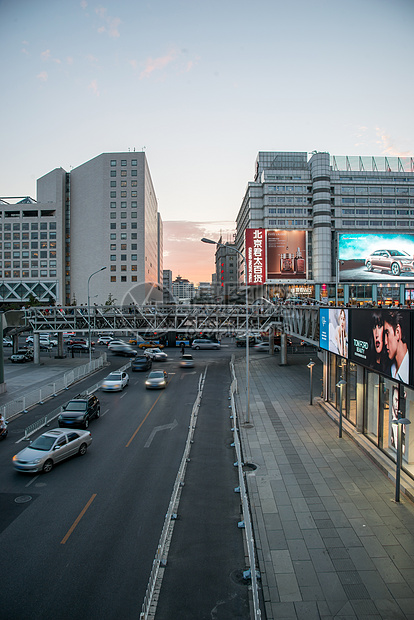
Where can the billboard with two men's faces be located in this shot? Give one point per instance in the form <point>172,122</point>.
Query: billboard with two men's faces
<point>380,338</point>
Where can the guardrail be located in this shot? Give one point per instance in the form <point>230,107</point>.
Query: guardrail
<point>32,428</point>
<point>160,557</point>
<point>23,403</point>
<point>247,523</point>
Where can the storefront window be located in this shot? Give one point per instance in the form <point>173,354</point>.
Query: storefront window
<point>352,391</point>
<point>371,406</point>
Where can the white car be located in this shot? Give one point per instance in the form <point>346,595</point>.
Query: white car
<point>105,340</point>
<point>156,354</point>
<point>50,448</point>
<point>115,342</point>
<point>115,381</point>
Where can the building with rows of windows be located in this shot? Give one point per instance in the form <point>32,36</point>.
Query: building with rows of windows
<point>103,213</point>
<point>346,207</point>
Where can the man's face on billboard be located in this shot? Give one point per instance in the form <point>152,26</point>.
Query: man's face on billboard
<point>391,339</point>
<point>378,333</point>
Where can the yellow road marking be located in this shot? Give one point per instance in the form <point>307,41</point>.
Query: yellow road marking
<point>79,517</point>
<point>127,446</point>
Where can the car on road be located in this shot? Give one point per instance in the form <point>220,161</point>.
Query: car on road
<point>104,340</point>
<point>156,354</point>
<point>78,346</point>
<point>141,362</point>
<point>115,381</point>
<point>204,343</point>
<point>262,346</point>
<point>157,379</point>
<point>123,349</point>
<point>187,361</point>
<point>80,411</point>
<point>7,342</point>
<point>393,261</point>
<point>114,342</point>
<point>50,448</point>
<point>22,356</point>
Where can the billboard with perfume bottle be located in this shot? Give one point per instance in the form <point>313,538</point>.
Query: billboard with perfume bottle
<point>286,255</point>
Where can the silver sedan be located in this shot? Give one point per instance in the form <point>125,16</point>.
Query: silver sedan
<point>157,379</point>
<point>50,448</point>
<point>115,381</point>
<point>156,354</point>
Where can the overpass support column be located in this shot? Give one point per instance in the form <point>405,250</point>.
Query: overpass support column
<point>283,349</point>
<point>36,348</point>
<point>60,354</point>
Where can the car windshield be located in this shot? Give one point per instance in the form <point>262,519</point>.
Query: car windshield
<point>156,374</point>
<point>113,377</point>
<point>44,442</point>
<point>76,405</point>
<point>398,253</point>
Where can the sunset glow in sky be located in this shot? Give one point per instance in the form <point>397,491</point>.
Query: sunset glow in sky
<point>201,87</point>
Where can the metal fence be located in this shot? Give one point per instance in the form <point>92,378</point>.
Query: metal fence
<point>24,402</point>
<point>247,523</point>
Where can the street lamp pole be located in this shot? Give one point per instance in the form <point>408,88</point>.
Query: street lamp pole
<point>340,385</point>
<point>310,366</point>
<point>222,245</point>
<point>89,314</point>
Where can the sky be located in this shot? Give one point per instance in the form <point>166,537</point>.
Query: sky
<point>201,87</point>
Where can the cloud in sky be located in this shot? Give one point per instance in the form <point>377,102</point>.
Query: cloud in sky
<point>93,86</point>
<point>110,25</point>
<point>156,64</point>
<point>388,147</point>
<point>42,76</point>
<point>186,255</point>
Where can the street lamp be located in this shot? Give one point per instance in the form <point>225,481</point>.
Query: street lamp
<point>310,366</point>
<point>222,245</point>
<point>89,314</point>
<point>399,423</point>
<point>340,385</point>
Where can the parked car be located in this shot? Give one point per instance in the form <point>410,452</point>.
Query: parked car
<point>123,349</point>
<point>80,411</point>
<point>141,362</point>
<point>156,354</point>
<point>157,379</point>
<point>115,381</point>
<point>187,361</point>
<point>204,343</point>
<point>394,261</point>
<point>51,448</point>
<point>21,356</point>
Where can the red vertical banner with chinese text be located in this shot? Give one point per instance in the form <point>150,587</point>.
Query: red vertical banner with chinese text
<point>255,255</point>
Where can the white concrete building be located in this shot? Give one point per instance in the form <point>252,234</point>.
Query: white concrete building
<point>370,199</point>
<point>103,213</point>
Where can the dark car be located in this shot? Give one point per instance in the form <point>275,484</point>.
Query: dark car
<point>141,362</point>
<point>122,349</point>
<point>22,355</point>
<point>77,346</point>
<point>80,411</point>
<point>394,261</point>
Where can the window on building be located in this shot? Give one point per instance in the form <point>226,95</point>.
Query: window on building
<point>133,173</point>
<point>113,247</point>
<point>112,226</point>
<point>133,278</point>
<point>134,215</point>
<point>134,194</point>
<point>113,183</point>
<point>112,215</point>
<point>113,194</point>
<point>113,278</point>
<point>113,205</point>
<point>113,257</point>
<point>123,173</point>
<point>112,236</point>
<point>113,162</point>
<point>123,162</point>
<point>123,194</point>
<point>134,257</point>
<point>123,267</point>
<point>133,268</point>
<point>123,256</point>
<point>133,162</point>
<point>133,183</point>
<point>123,184</point>
<point>113,267</point>
<point>113,173</point>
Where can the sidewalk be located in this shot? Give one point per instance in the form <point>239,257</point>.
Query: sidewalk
<point>331,541</point>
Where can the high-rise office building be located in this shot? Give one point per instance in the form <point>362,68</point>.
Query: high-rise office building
<point>103,213</point>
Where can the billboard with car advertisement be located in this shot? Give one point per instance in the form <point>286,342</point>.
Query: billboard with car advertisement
<point>334,330</point>
<point>375,257</point>
<point>381,340</point>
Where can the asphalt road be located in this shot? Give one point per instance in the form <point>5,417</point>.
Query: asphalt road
<point>79,542</point>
